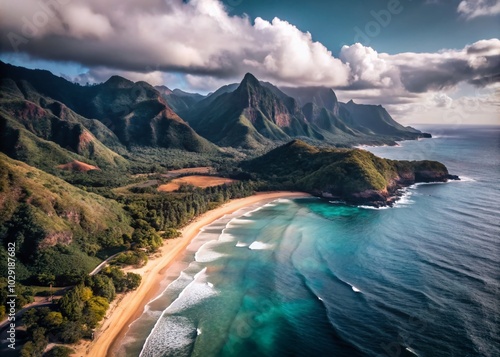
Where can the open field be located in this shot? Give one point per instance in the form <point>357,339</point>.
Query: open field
<point>198,181</point>
<point>202,170</point>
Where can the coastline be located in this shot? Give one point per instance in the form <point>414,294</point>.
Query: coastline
<point>130,306</point>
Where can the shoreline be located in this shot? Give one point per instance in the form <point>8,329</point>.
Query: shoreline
<point>127,308</point>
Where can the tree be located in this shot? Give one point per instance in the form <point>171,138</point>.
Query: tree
<point>118,277</point>
<point>95,310</point>
<point>133,281</point>
<point>24,231</point>
<point>101,285</point>
<point>59,351</point>
<point>36,346</point>
<point>28,350</point>
<point>86,293</point>
<point>71,304</point>
<point>40,340</point>
<point>71,332</point>
<point>53,319</point>
<point>171,233</point>
<point>30,318</point>
<point>46,279</point>
<point>35,317</point>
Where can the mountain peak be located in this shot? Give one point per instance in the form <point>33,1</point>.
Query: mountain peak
<point>117,81</point>
<point>248,89</point>
<point>321,97</point>
<point>164,89</point>
<point>250,80</point>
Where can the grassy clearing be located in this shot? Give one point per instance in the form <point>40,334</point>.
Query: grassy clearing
<point>196,180</point>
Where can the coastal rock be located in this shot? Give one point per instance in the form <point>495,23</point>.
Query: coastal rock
<point>431,176</point>
<point>351,175</point>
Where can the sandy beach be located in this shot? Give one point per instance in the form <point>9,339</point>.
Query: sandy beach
<point>129,307</point>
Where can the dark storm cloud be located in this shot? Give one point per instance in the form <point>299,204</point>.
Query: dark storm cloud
<point>448,73</point>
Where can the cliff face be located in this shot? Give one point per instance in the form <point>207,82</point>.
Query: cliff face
<point>352,175</point>
<point>122,112</point>
<point>375,120</point>
<point>251,116</point>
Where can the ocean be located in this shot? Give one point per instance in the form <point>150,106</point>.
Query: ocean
<point>308,277</point>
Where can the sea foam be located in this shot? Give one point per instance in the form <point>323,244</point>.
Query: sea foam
<point>207,254</point>
<point>173,332</point>
<point>260,246</point>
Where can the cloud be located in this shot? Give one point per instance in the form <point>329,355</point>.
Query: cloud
<point>102,74</point>
<point>416,87</point>
<point>196,37</point>
<point>206,84</point>
<point>368,69</point>
<point>477,64</point>
<point>441,100</point>
<point>476,8</point>
<point>197,43</point>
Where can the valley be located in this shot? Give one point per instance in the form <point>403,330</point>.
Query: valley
<point>119,168</point>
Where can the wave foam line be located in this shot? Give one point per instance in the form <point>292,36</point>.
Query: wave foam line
<point>260,246</point>
<point>374,208</point>
<point>412,351</point>
<point>181,295</point>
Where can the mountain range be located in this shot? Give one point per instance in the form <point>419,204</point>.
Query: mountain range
<point>47,121</point>
<point>79,165</point>
<point>255,113</point>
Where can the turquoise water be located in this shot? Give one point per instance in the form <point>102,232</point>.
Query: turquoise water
<point>308,277</point>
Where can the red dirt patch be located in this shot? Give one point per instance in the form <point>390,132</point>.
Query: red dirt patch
<point>30,110</point>
<point>84,139</point>
<point>76,165</point>
<point>198,181</point>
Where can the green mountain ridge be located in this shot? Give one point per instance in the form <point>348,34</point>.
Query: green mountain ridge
<point>361,117</point>
<point>280,114</point>
<point>46,133</point>
<point>179,100</point>
<point>354,175</point>
<point>54,223</point>
<point>250,116</point>
<point>82,170</point>
<point>135,113</point>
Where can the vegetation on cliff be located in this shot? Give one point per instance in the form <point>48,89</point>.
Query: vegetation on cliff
<point>91,159</point>
<point>353,175</point>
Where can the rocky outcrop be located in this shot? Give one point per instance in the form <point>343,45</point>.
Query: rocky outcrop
<point>351,175</point>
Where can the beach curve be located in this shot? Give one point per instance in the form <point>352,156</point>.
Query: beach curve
<point>130,306</point>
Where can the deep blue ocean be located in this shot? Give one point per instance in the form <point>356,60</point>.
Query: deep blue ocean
<point>308,277</point>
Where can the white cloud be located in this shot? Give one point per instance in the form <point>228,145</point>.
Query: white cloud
<point>368,68</point>
<point>416,87</point>
<point>206,47</point>
<point>478,63</point>
<point>197,37</point>
<point>102,74</point>
<point>83,23</point>
<point>475,8</point>
<point>206,84</point>
<point>442,100</point>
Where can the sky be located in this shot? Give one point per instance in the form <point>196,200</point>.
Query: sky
<point>426,61</point>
